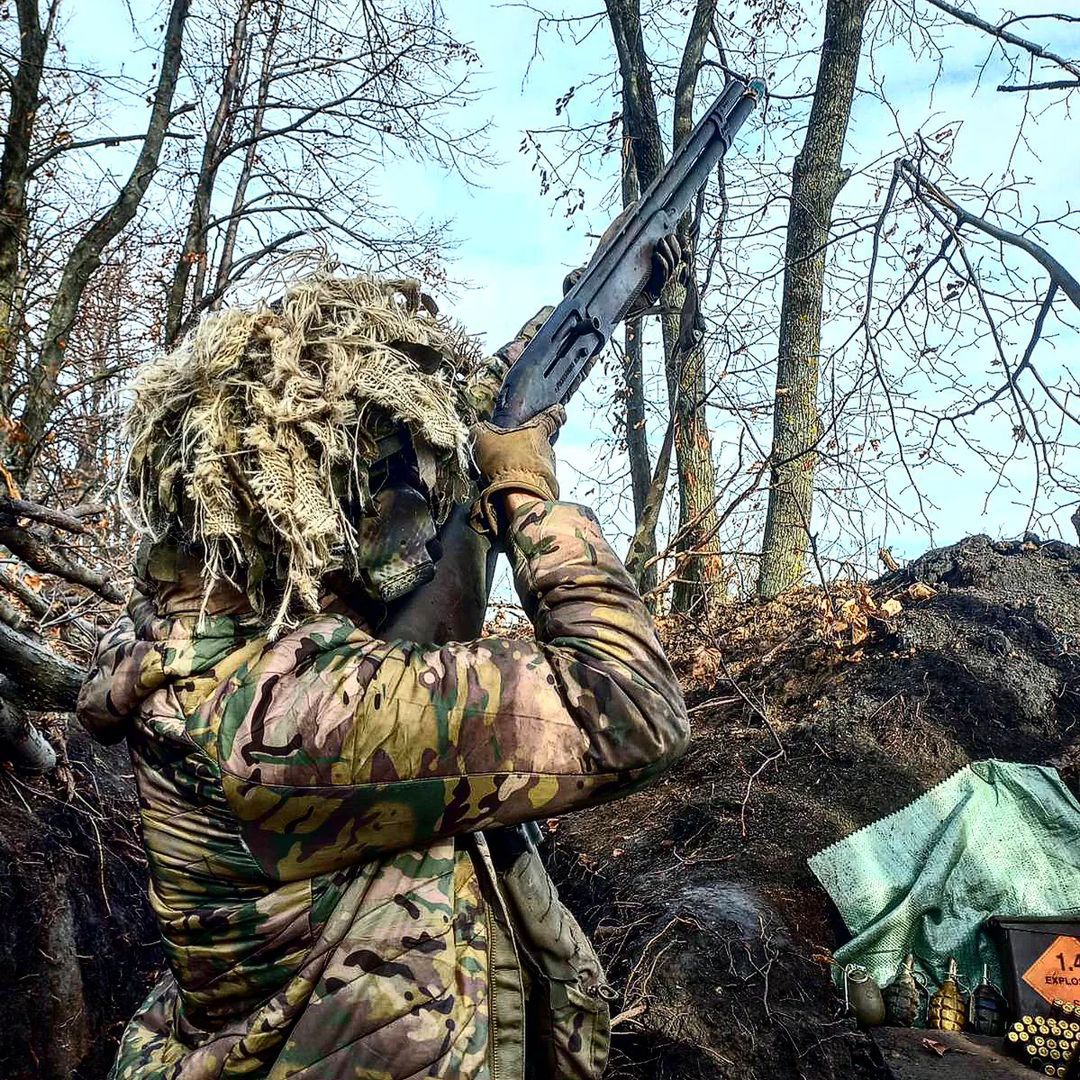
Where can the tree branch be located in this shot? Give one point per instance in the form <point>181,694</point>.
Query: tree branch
<point>971,19</point>
<point>35,676</point>
<point>1057,84</point>
<point>35,553</point>
<point>17,508</point>
<point>106,140</point>
<point>643,542</point>
<point>14,171</point>
<point>927,190</point>
<point>85,257</point>
<point>73,629</point>
<point>21,743</point>
<point>689,68</point>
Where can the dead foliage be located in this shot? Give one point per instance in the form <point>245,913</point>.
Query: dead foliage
<point>813,715</point>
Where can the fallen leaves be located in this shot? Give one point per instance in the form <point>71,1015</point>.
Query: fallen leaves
<point>921,591</point>
<point>849,622</point>
<point>935,1047</point>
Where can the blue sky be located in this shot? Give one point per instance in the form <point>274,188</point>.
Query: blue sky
<point>513,246</point>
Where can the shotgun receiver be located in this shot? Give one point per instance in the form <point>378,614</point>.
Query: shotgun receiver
<point>451,605</point>
<point>558,358</point>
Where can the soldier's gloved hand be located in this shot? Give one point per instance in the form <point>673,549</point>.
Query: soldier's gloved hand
<point>510,352</point>
<point>517,459</point>
<point>482,390</point>
<point>667,255</point>
<point>666,259</point>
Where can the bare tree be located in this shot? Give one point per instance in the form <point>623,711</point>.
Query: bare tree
<point>816,180</point>
<point>288,109</point>
<point>883,390</point>
<point>307,102</point>
<point>699,581</point>
<point>85,254</point>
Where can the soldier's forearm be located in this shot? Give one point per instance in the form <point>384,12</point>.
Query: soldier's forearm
<point>515,500</point>
<point>597,634</point>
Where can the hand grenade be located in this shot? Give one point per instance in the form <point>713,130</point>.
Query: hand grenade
<point>863,996</point>
<point>987,1008</point>
<point>902,996</point>
<point>946,1009</point>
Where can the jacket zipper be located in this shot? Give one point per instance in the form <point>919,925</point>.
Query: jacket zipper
<point>492,1011</point>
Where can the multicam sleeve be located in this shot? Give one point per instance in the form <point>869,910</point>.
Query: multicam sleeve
<point>124,671</point>
<point>343,745</point>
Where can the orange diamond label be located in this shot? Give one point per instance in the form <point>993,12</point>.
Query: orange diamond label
<point>1056,974</point>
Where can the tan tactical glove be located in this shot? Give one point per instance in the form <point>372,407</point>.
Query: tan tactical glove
<point>517,459</point>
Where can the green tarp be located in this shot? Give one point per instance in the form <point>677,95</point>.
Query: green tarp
<point>996,838</point>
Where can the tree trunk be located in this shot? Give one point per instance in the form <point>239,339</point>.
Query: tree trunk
<point>36,677</point>
<point>21,743</point>
<point>85,257</point>
<point>644,538</point>
<point>699,580</point>
<point>14,175</point>
<point>639,104</point>
<point>637,435</point>
<point>815,182</point>
<point>232,229</point>
<point>193,256</point>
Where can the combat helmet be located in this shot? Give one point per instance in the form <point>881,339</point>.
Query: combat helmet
<point>325,433</point>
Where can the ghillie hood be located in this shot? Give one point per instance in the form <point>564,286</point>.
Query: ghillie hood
<point>251,442</point>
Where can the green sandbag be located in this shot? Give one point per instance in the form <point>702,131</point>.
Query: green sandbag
<point>996,838</point>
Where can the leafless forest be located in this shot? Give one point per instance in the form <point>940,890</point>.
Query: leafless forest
<point>261,135</point>
<point>865,311</point>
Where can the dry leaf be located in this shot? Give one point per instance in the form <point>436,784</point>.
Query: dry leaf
<point>921,591</point>
<point>938,1048</point>
<point>891,607</point>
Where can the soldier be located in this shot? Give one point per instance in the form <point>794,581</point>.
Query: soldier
<point>312,796</point>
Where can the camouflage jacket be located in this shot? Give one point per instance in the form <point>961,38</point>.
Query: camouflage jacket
<point>307,803</point>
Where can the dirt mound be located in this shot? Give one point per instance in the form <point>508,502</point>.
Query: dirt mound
<point>813,715</point>
<point>78,942</point>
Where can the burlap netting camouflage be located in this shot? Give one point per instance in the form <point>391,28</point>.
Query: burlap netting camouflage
<point>245,437</point>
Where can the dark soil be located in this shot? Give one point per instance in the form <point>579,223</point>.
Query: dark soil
<point>78,942</point>
<point>696,890</point>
